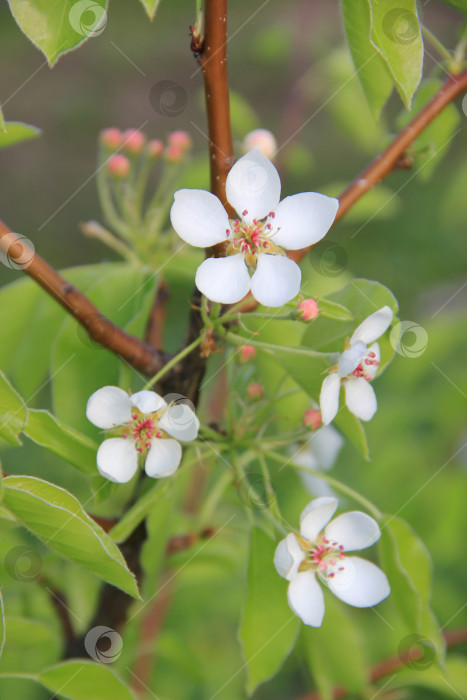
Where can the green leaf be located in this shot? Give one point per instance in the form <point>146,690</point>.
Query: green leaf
<point>84,680</point>
<point>460,5</point>
<point>58,26</point>
<point>151,7</point>
<point>353,430</point>
<point>16,132</point>
<point>30,639</point>
<point>77,449</point>
<point>397,36</point>
<point>13,412</point>
<point>451,683</point>
<point>269,628</point>
<point>334,664</point>
<point>2,625</point>
<point>407,565</point>
<point>372,71</point>
<point>329,309</point>
<point>435,139</point>
<point>59,521</point>
<point>80,366</point>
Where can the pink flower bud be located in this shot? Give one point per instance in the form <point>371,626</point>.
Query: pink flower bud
<point>247,352</point>
<point>155,148</point>
<point>262,139</point>
<point>111,138</point>
<point>312,418</point>
<point>118,166</point>
<point>180,139</point>
<point>255,391</point>
<point>308,309</point>
<point>133,141</point>
<point>174,154</point>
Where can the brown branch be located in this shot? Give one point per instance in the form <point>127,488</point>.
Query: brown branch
<point>139,355</point>
<point>212,59</point>
<point>154,334</point>
<point>390,158</point>
<point>385,668</point>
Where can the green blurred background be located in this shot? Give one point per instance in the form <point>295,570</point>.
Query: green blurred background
<point>291,74</point>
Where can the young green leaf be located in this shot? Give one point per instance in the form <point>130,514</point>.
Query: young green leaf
<point>12,133</point>
<point>151,7</point>
<point>269,628</point>
<point>84,680</point>
<point>397,36</point>
<point>332,663</point>
<point>407,564</point>
<point>136,514</point>
<point>13,412</point>
<point>59,521</point>
<point>77,449</point>
<point>371,69</point>
<point>58,27</point>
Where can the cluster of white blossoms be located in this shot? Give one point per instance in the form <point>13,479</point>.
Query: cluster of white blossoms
<point>143,424</point>
<point>319,554</point>
<point>145,427</point>
<point>257,240</point>
<point>356,367</point>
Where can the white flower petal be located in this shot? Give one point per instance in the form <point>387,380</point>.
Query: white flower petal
<point>303,219</point>
<point>316,515</point>
<point>163,458</point>
<point>109,407</point>
<point>180,422</point>
<point>147,401</point>
<point>329,397</point>
<point>276,280</point>
<point>354,530</point>
<point>371,370</point>
<point>225,280</point>
<point>253,184</point>
<point>306,598</point>
<point>360,583</point>
<point>325,444</point>
<point>373,327</point>
<point>288,557</point>
<point>199,218</point>
<point>350,359</point>
<point>117,459</point>
<point>360,398</point>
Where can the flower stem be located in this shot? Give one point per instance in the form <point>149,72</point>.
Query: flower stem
<point>343,488</point>
<point>175,360</point>
<point>272,347</point>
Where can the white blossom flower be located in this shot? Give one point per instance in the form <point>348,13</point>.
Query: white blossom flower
<point>144,424</point>
<point>356,367</point>
<point>322,556</point>
<point>258,238</point>
<point>319,453</point>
